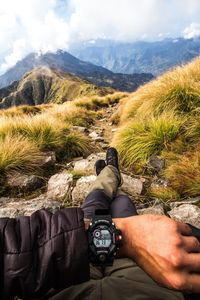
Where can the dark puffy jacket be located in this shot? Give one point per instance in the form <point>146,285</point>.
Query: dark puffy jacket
<point>42,251</point>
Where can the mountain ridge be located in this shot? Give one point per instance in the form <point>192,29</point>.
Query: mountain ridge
<point>45,85</point>
<point>65,62</point>
<point>138,57</point>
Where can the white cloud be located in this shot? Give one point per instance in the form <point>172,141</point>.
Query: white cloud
<point>30,25</point>
<point>131,19</point>
<point>48,25</point>
<point>192,31</point>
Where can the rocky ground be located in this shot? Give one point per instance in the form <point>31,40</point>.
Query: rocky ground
<point>70,182</point>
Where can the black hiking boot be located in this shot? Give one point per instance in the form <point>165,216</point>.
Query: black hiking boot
<point>112,157</point>
<point>99,165</point>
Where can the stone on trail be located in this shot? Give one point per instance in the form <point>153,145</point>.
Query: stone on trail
<point>131,186</point>
<point>15,207</point>
<point>59,185</point>
<point>87,164</point>
<point>155,210</point>
<point>24,183</point>
<point>186,213</point>
<point>82,189</point>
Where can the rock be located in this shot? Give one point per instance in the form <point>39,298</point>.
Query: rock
<point>82,189</point>
<point>87,165</point>
<point>93,135</point>
<point>195,200</point>
<point>19,207</point>
<point>59,185</point>
<point>131,186</point>
<point>97,137</point>
<point>81,165</point>
<point>155,210</point>
<point>186,213</point>
<point>103,120</point>
<point>49,160</point>
<point>80,129</point>
<point>155,164</point>
<point>24,183</point>
<point>104,145</point>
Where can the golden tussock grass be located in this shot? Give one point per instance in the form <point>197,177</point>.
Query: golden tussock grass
<point>184,174</point>
<point>178,90</point>
<point>18,153</point>
<point>141,138</point>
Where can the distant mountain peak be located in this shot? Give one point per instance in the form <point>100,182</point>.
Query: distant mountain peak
<point>67,63</point>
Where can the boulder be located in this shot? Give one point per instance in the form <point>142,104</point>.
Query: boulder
<point>87,165</point>
<point>14,207</point>
<point>155,210</point>
<point>80,129</point>
<point>186,213</point>
<point>195,200</point>
<point>132,186</point>
<point>24,183</point>
<point>48,160</point>
<point>59,185</point>
<point>82,189</point>
<point>155,164</point>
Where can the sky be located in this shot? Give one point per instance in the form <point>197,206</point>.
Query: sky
<point>48,25</point>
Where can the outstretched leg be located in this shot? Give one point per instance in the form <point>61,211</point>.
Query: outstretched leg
<point>122,206</point>
<point>102,191</point>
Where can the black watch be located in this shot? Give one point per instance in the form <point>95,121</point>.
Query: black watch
<point>104,239</point>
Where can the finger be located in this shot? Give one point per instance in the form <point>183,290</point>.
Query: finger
<point>193,283</point>
<point>191,244</point>
<point>192,262</point>
<point>184,228</point>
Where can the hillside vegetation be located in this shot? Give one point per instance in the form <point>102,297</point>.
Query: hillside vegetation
<point>45,85</point>
<point>163,118</point>
<point>28,132</point>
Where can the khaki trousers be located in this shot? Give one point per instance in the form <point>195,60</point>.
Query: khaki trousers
<point>123,281</point>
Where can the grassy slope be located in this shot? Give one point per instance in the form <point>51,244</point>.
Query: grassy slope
<point>163,118</point>
<point>44,85</point>
<point>27,132</point>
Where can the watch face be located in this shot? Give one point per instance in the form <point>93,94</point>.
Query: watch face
<point>102,238</point>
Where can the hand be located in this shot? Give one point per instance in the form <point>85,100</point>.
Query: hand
<point>164,249</point>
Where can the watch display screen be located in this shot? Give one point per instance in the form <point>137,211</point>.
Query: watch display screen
<point>102,238</point>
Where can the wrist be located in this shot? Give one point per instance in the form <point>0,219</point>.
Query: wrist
<point>122,225</point>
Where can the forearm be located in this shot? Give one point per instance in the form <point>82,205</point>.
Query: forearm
<point>42,252</point>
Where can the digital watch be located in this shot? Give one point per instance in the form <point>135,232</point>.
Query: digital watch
<point>104,239</point>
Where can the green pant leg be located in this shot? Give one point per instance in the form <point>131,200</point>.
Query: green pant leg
<point>108,180</point>
<point>126,281</point>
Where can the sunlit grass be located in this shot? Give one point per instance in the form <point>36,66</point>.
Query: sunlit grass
<point>164,193</point>
<point>138,140</point>
<point>18,153</point>
<point>184,174</point>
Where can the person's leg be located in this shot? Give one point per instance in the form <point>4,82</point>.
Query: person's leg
<point>102,191</point>
<point>122,206</point>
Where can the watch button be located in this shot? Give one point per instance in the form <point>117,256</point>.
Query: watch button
<point>102,257</point>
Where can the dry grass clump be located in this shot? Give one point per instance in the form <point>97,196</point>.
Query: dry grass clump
<point>76,144</point>
<point>45,131</point>
<point>164,193</point>
<point>96,102</point>
<point>184,174</point>
<point>18,153</point>
<point>72,114</point>
<point>178,89</point>
<point>139,139</point>
<point>20,111</point>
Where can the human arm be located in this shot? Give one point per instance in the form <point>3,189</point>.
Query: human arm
<point>42,251</point>
<point>163,248</point>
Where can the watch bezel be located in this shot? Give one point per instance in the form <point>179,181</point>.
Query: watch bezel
<point>97,253</point>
